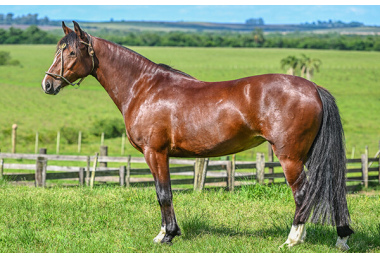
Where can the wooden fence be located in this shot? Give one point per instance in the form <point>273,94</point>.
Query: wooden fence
<point>198,173</point>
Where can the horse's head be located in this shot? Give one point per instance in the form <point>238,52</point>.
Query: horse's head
<point>74,59</point>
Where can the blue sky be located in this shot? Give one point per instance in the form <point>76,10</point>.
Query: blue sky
<point>272,14</point>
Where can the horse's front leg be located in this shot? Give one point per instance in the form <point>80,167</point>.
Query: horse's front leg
<point>159,165</point>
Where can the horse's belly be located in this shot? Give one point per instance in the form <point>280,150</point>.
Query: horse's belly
<point>207,148</point>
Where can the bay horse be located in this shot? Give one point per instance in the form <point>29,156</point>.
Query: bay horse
<point>169,113</point>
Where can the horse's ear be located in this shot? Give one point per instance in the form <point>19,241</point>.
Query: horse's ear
<point>66,29</point>
<point>80,33</point>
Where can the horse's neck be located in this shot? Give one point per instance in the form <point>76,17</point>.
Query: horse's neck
<point>118,70</point>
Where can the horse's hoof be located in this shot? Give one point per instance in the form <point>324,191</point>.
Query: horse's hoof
<point>288,244</point>
<point>341,243</point>
<point>167,240</point>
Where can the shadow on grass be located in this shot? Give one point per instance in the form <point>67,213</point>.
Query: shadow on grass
<point>360,242</point>
<point>195,227</point>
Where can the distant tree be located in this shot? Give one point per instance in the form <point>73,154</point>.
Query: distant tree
<point>9,18</point>
<point>291,64</point>
<point>376,46</point>
<point>308,65</point>
<point>44,21</point>
<point>301,66</point>
<point>14,36</point>
<point>255,21</point>
<point>5,59</point>
<point>3,36</point>
<point>258,36</point>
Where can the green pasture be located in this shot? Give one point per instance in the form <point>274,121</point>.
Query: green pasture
<point>351,76</point>
<point>253,219</point>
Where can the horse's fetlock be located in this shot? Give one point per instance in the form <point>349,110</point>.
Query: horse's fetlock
<point>173,230</point>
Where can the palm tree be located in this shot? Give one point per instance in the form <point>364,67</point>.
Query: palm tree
<point>291,63</point>
<point>308,65</point>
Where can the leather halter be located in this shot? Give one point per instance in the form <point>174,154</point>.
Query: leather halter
<point>60,51</point>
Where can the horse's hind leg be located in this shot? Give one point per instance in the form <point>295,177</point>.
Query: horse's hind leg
<point>293,170</point>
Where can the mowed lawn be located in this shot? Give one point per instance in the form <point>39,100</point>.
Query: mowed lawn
<point>255,219</point>
<point>351,76</point>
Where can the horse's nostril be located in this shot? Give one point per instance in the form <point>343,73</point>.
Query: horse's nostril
<point>47,87</point>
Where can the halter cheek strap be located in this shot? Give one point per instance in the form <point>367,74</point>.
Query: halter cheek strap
<point>60,51</point>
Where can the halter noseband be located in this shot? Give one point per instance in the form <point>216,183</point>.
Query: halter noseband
<point>60,51</point>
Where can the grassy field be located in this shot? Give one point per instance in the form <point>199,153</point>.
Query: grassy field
<point>254,219</point>
<point>112,219</point>
<point>351,76</point>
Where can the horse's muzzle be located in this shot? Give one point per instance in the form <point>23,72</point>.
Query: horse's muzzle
<point>49,88</point>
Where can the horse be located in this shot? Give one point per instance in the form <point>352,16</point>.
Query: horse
<point>168,113</point>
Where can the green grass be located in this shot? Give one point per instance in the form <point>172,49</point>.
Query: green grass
<point>351,76</point>
<point>253,219</point>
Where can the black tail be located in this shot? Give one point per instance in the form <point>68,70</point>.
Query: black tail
<point>324,184</point>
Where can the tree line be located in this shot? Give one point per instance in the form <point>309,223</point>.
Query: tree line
<point>31,35</point>
<point>332,24</point>
<point>256,38</point>
<point>31,19</point>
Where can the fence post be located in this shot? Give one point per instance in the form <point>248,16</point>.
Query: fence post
<point>122,171</point>
<point>102,139</point>
<point>122,144</point>
<point>88,171</point>
<point>260,167</point>
<point>14,137</point>
<point>270,159</point>
<point>58,142</point>
<point>103,152</point>
<point>93,171</point>
<point>200,171</point>
<point>1,168</point>
<point>79,141</point>
<point>365,169</point>
<point>40,175</point>
<point>36,144</point>
<point>231,173</point>
<point>127,184</point>
<point>43,151</point>
<point>81,176</point>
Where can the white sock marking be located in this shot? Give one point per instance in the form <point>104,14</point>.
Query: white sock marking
<point>341,243</point>
<point>296,236</point>
<point>160,235</point>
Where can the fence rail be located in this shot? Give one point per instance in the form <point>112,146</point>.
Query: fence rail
<point>196,172</point>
